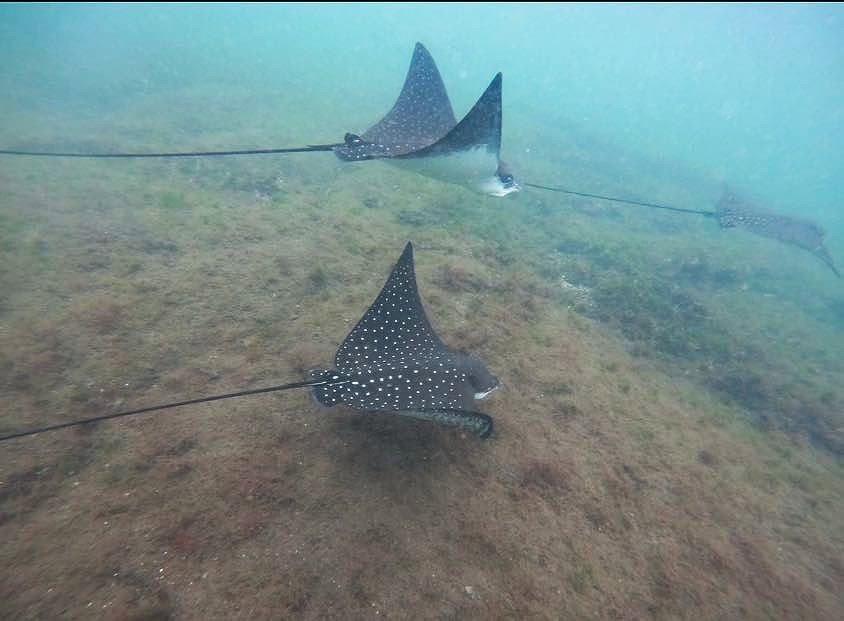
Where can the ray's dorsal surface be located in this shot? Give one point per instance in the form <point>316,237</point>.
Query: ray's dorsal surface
<point>392,361</point>
<point>735,212</point>
<point>422,113</point>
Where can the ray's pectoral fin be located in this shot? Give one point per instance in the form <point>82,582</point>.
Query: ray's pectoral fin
<point>473,422</point>
<point>480,128</point>
<point>327,395</point>
<point>822,253</point>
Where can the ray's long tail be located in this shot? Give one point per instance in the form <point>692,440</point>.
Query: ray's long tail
<point>306,149</point>
<point>166,406</point>
<point>615,199</point>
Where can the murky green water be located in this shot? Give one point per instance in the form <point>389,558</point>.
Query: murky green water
<point>668,435</point>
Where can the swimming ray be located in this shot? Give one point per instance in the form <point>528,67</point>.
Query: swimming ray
<point>733,211</point>
<point>391,361</point>
<point>421,133</point>
<point>420,125</point>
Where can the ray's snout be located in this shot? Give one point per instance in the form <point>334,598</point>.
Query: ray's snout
<point>502,184</point>
<point>483,382</point>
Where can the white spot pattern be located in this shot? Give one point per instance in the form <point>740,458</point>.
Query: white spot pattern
<point>395,347</point>
<point>421,115</point>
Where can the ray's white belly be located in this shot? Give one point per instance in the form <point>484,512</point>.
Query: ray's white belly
<point>474,168</point>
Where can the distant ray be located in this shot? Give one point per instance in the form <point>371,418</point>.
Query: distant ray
<point>734,211</point>
<point>470,151</point>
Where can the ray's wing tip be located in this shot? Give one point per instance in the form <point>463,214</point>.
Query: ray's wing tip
<point>495,83</point>
<point>407,253</point>
<point>493,91</point>
<point>487,428</point>
<point>420,52</point>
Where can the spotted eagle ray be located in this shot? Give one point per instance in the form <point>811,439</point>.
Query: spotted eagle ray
<point>420,132</point>
<point>391,361</point>
<point>735,212</point>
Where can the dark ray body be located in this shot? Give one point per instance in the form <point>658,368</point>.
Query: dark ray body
<point>421,115</point>
<point>394,361</point>
<point>734,211</point>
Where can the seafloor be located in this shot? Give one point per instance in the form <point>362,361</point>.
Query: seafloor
<point>668,444</point>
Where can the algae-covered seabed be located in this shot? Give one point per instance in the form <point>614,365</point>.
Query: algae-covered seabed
<point>668,439</point>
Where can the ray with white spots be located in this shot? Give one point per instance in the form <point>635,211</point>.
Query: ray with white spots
<point>734,211</point>
<point>420,133</point>
<point>391,361</point>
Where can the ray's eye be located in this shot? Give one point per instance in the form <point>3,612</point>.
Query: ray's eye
<point>505,176</point>
<point>482,382</point>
